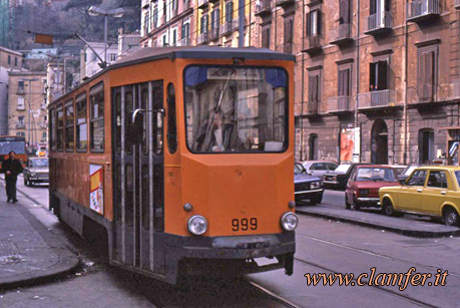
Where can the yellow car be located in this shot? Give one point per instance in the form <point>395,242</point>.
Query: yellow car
<point>432,191</point>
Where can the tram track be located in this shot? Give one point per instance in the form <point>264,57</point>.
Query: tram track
<point>373,254</point>
<point>274,296</point>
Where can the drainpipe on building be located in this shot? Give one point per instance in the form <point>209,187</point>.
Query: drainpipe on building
<point>357,76</point>
<point>406,38</point>
<point>303,83</point>
<point>241,8</point>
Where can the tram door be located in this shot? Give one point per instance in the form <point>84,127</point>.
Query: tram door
<point>138,178</point>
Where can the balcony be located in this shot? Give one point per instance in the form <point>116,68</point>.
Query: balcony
<point>264,8</point>
<point>312,44</point>
<point>378,23</point>
<point>284,3</point>
<point>20,107</point>
<point>202,38</point>
<point>187,5</point>
<point>184,41</point>
<point>202,4</point>
<point>313,108</point>
<point>457,4</point>
<point>162,19</point>
<point>20,125</point>
<point>229,26</point>
<point>214,34</point>
<point>341,34</point>
<point>21,91</point>
<point>340,104</point>
<point>421,10</point>
<point>174,12</point>
<point>377,99</point>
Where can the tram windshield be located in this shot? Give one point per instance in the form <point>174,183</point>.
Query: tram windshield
<point>232,109</point>
<point>19,147</point>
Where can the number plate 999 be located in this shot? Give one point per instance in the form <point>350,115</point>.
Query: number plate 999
<point>244,224</point>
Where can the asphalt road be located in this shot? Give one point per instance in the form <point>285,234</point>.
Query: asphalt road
<point>323,246</point>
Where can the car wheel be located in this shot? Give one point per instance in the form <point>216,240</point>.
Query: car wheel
<point>316,199</point>
<point>347,206</point>
<point>387,208</point>
<point>354,206</point>
<point>451,217</point>
<point>25,182</point>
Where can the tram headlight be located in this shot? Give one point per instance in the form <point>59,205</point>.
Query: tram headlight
<point>197,225</point>
<point>289,221</point>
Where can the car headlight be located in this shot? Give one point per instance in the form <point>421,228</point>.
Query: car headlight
<point>197,225</point>
<point>363,192</point>
<point>315,185</point>
<point>289,221</point>
<point>32,174</point>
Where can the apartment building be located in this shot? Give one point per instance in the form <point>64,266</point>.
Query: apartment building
<point>27,113</point>
<point>376,80</point>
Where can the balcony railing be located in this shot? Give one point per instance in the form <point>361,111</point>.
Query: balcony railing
<point>457,4</point>
<point>422,9</point>
<point>20,125</point>
<point>312,44</point>
<point>187,5</point>
<point>162,19</point>
<point>202,38</point>
<point>42,125</point>
<point>341,34</point>
<point>184,41</point>
<point>378,23</point>
<point>377,99</point>
<point>284,2</point>
<point>426,93</point>
<point>20,107</point>
<point>313,107</point>
<point>340,104</point>
<point>21,91</point>
<point>229,26</point>
<point>202,4</point>
<point>214,34</point>
<point>263,8</point>
<point>174,12</point>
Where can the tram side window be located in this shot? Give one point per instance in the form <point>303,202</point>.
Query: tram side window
<point>52,130</point>
<point>69,130</point>
<point>172,134</point>
<point>96,97</point>
<point>60,129</point>
<point>82,127</point>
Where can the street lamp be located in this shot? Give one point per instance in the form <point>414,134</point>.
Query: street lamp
<point>97,11</point>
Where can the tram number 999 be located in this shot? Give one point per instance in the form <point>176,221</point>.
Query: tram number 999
<point>244,224</point>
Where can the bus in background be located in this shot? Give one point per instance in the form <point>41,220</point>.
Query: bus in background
<point>13,143</point>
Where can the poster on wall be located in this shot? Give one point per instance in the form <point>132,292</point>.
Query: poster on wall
<point>96,195</point>
<point>350,146</point>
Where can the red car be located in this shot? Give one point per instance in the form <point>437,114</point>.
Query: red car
<point>363,186</point>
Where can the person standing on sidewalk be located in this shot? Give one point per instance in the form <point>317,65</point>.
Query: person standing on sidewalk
<point>11,167</point>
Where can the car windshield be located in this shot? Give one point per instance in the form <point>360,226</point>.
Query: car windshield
<point>39,163</point>
<point>298,169</point>
<point>236,110</point>
<point>409,170</point>
<point>343,168</point>
<point>457,176</point>
<point>375,174</point>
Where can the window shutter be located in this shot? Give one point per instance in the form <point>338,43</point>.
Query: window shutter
<point>266,38</point>
<point>308,28</point>
<point>429,61</point>
<point>182,31</point>
<point>346,82</point>
<point>382,77</point>
<point>372,7</point>
<point>340,84</point>
<point>318,18</point>
<point>344,7</point>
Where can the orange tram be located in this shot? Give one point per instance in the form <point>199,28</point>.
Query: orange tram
<point>13,143</point>
<point>181,158</point>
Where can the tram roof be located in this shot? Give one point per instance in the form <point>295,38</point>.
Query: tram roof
<point>201,52</point>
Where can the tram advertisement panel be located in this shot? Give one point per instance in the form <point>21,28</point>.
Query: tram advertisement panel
<point>96,195</point>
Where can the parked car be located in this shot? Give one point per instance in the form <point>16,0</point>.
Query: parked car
<point>430,190</point>
<point>403,176</point>
<point>307,186</point>
<point>399,169</point>
<point>37,171</point>
<point>319,167</point>
<point>339,177</point>
<point>363,186</point>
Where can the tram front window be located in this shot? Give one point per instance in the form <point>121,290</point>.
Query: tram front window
<point>234,109</point>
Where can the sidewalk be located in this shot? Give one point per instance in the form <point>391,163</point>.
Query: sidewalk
<point>29,253</point>
<point>395,224</point>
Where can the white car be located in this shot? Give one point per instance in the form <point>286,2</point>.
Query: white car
<point>319,167</point>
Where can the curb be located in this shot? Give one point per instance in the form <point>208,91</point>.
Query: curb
<point>68,261</point>
<point>407,232</point>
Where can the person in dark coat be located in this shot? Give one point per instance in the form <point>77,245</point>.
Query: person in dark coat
<point>11,167</point>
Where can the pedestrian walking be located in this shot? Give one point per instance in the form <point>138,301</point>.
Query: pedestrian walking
<point>11,167</point>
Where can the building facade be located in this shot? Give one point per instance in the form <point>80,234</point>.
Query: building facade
<point>89,62</point>
<point>27,114</point>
